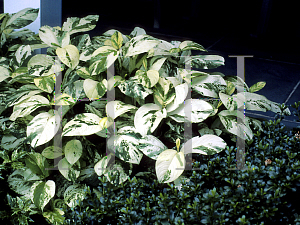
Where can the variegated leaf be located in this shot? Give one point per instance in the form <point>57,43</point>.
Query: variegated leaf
<point>42,128</point>
<point>181,93</point>
<point>206,61</point>
<point>70,171</point>
<point>117,40</point>
<point>42,193</point>
<point>148,117</point>
<point>37,164</point>
<point>229,120</point>
<point>17,181</point>
<point>22,18</point>
<point>151,146</point>
<point>4,73</point>
<point>258,86</point>
<point>21,55</point>
<point>94,89</point>
<point>140,44</point>
<point>69,55</point>
<point>164,92</point>
<point>137,31</point>
<point>74,194</point>
<point>156,63</point>
<point>73,151</point>
<point>238,82</point>
<point>169,165</point>
<point>125,148</point>
<point>25,91</point>
<point>49,36</point>
<point>121,170</point>
<point>27,106</point>
<point>134,89</point>
<point>190,45</point>
<point>45,83</point>
<point>207,144</point>
<point>209,85</point>
<point>75,24</point>
<point>43,65</point>
<point>200,110</point>
<point>83,125</point>
<point>147,79</point>
<point>117,108</point>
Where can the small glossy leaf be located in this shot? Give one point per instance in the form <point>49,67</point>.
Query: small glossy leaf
<point>70,172</point>
<point>52,152</point>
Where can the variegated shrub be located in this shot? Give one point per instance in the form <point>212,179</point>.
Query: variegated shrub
<point>151,86</point>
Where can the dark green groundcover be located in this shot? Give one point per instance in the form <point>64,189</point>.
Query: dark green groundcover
<point>268,193</point>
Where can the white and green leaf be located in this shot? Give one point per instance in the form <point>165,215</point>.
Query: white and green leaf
<point>42,192</point>
<point>151,146</point>
<point>200,110</point>
<point>169,165</point>
<point>42,128</point>
<point>82,125</point>
<point>73,194</point>
<point>148,117</point>
<point>73,151</point>
<point>117,108</point>
<point>207,144</point>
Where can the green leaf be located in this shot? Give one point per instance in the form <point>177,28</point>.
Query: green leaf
<point>73,193</point>
<point>148,117</point>
<point>45,83</point>
<point>43,65</point>
<point>21,75</point>
<point>94,89</point>
<point>117,108</point>
<point>258,86</point>
<point>125,148</point>
<point>75,24</point>
<point>238,82</point>
<point>69,55</point>
<point>206,61</point>
<point>151,146</point>
<point>73,151</point>
<point>9,142</point>
<point>207,144</point>
<point>27,106</point>
<point>209,85</point>
<point>117,40</point>
<point>83,125</point>
<point>22,18</point>
<point>190,45</point>
<point>42,193</point>
<point>42,128</point>
<point>52,152</point>
<point>169,165</point>
<point>164,92</point>
<point>157,62</point>
<point>37,164</point>
<point>70,172</point>
<point>200,111</point>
